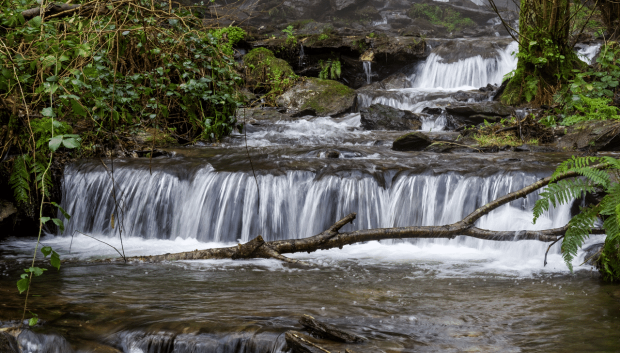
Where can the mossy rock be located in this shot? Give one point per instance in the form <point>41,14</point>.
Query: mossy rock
<point>315,96</point>
<point>263,69</point>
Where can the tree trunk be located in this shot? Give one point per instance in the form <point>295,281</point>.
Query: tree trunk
<point>546,57</point>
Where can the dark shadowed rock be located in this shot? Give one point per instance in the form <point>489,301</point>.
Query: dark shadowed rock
<point>483,108</point>
<point>432,111</point>
<point>342,4</point>
<point>8,343</point>
<point>381,117</point>
<point>413,141</point>
<point>591,253</point>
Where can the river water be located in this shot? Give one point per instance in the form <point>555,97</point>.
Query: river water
<point>404,296</point>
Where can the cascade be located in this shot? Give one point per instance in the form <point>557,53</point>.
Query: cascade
<point>222,206</point>
<point>302,54</point>
<point>587,52</point>
<point>368,71</point>
<point>471,72</point>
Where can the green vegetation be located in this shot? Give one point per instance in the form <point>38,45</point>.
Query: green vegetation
<point>499,140</point>
<point>330,69</point>
<point>603,177</point>
<point>268,74</point>
<point>290,35</point>
<point>441,16</point>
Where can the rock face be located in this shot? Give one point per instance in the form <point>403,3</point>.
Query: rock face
<point>6,209</point>
<point>485,108</point>
<point>414,141</point>
<point>315,96</point>
<point>462,115</point>
<point>381,117</point>
<point>599,135</point>
<point>262,66</point>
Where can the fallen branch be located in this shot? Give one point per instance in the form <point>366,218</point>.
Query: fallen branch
<point>327,331</point>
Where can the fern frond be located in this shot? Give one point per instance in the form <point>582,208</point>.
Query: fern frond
<point>572,164</point>
<point>561,192</point>
<point>20,178</point>
<point>578,231</point>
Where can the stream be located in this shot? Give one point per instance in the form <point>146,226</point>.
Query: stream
<point>424,295</point>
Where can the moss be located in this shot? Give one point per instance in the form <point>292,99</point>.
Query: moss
<point>446,17</point>
<point>264,68</point>
<point>328,90</point>
<point>300,23</point>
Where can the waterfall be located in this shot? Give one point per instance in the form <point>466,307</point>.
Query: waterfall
<point>368,71</point>
<point>471,72</point>
<point>222,206</point>
<point>587,52</point>
<point>302,54</point>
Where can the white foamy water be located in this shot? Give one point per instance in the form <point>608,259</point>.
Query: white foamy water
<point>473,72</point>
<point>587,52</point>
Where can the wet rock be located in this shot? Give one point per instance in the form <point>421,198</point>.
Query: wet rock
<point>6,209</point>
<point>332,154</point>
<point>432,111</point>
<point>338,5</point>
<point>600,135</point>
<point>31,342</point>
<point>8,343</point>
<point>414,141</point>
<point>318,97</point>
<point>591,253</point>
<point>483,108</point>
<point>381,117</point>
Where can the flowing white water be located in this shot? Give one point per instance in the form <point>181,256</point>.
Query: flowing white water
<point>587,52</point>
<point>473,72</point>
<point>209,206</point>
<point>368,71</point>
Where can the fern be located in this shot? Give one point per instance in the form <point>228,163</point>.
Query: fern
<point>578,231</point>
<point>20,178</point>
<point>565,190</point>
<point>561,192</point>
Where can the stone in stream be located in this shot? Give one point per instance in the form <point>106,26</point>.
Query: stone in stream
<point>315,96</point>
<point>381,117</point>
<point>327,331</point>
<point>413,141</point>
<point>483,108</point>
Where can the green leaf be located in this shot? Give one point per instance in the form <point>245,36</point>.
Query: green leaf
<point>22,284</point>
<point>55,260</point>
<point>49,112</point>
<point>71,143</point>
<point>55,143</point>
<point>37,271</point>
<point>59,223</point>
<point>33,321</point>
<point>35,22</point>
<point>64,213</point>
<point>44,219</point>
<point>46,250</point>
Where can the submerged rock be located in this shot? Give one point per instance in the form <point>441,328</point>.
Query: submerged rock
<point>315,96</point>
<point>414,141</point>
<point>381,117</point>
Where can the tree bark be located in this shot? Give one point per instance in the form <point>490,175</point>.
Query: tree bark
<point>332,238</point>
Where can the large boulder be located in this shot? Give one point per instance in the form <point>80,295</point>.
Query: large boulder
<point>413,141</point>
<point>483,108</point>
<point>598,135</point>
<point>315,96</point>
<point>381,117</point>
<point>263,67</point>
